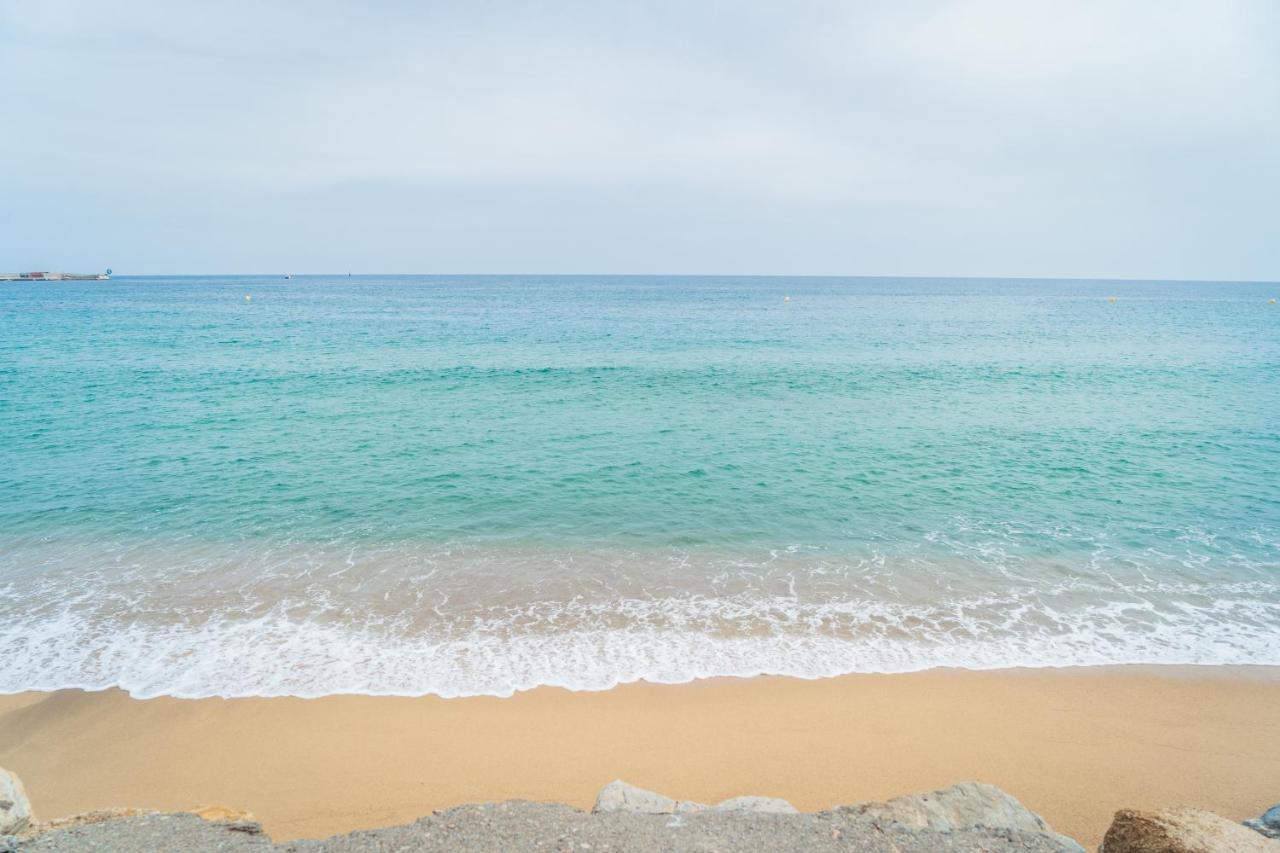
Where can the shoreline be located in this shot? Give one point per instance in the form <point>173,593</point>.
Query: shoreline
<point>1073,744</point>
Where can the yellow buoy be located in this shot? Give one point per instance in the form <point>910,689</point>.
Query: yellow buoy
<point>248,298</point>
<point>1271,302</point>
<point>1111,299</point>
<point>788,299</point>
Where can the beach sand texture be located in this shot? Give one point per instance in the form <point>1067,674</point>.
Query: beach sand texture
<point>1073,745</point>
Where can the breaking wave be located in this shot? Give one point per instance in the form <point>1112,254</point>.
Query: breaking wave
<point>96,639</point>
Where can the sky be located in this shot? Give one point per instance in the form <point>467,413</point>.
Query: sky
<point>1093,138</point>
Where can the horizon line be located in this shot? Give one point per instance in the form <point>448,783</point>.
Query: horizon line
<point>353,273</point>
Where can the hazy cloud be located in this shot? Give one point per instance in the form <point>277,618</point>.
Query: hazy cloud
<point>966,138</point>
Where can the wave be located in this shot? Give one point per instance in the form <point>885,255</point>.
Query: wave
<point>293,650</point>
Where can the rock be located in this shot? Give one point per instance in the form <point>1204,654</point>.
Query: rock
<point>968,805</point>
<point>223,814</point>
<point>516,825</point>
<point>760,805</point>
<point>1181,831</point>
<point>237,820</point>
<point>154,833</point>
<point>1268,823</point>
<point>84,819</point>
<point>689,807</point>
<point>618,796</point>
<point>15,808</point>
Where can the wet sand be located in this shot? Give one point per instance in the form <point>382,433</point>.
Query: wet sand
<point>1074,745</point>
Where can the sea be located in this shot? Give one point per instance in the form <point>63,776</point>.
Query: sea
<point>475,485</point>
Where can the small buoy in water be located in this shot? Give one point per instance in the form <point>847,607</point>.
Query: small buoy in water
<point>1111,299</point>
<point>248,298</point>
<point>788,299</point>
<point>1271,301</point>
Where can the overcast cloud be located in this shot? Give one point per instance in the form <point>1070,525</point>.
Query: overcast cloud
<point>1006,137</point>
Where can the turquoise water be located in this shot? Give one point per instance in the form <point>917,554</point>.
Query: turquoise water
<point>482,484</point>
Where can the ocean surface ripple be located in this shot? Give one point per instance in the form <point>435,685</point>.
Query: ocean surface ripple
<point>477,485</point>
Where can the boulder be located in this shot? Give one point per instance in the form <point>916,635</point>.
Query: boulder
<point>15,808</point>
<point>968,805</point>
<point>1268,823</point>
<point>1181,831</point>
<point>619,796</point>
<point>759,805</point>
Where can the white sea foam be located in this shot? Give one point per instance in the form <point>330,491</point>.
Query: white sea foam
<point>293,650</point>
<point>195,619</point>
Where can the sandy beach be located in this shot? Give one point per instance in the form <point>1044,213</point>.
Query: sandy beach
<point>1074,745</point>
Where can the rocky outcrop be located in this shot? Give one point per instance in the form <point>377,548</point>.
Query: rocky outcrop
<point>620,796</point>
<point>965,818</point>
<point>1181,831</point>
<point>152,832</point>
<point>625,818</point>
<point>15,808</point>
<point>756,805</point>
<point>546,826</point>
<point>1268,823</point>
<point>969,805</point>
<point>83,819</point>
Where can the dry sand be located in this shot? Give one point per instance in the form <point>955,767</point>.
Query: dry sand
<point>1074,745</point>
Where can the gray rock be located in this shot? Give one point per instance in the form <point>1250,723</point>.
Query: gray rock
<point>546,826</point>
<point>968,805</point>
<point>1268,823</point>
<point>553,827</point>
<point>1181,831</point>
<point>155,833</point>
<point>759,805</point>
<point>84,819</point>
<point>15,808</point>
<point>619,796</point>
<point>626,819</point>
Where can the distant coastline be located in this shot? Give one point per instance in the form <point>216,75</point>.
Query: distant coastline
<point>55,276</point>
